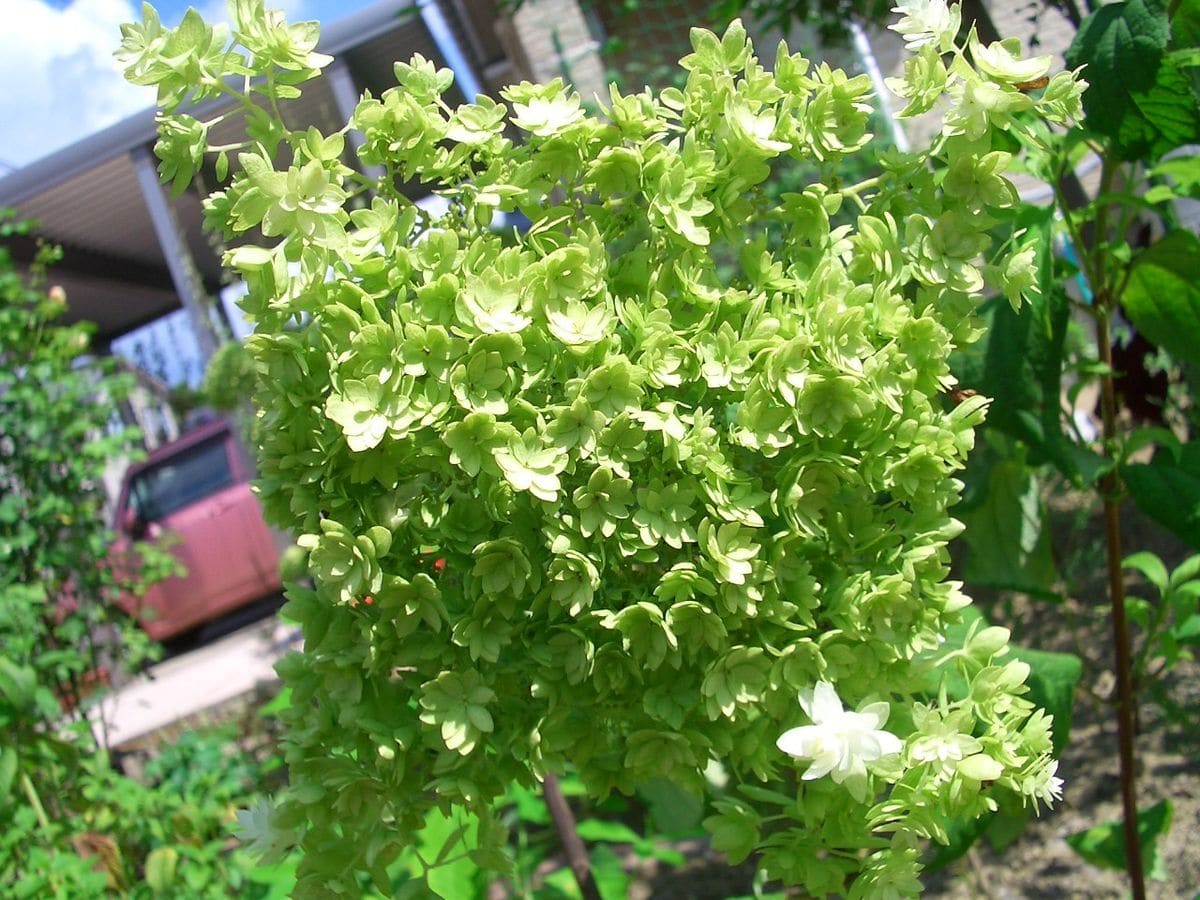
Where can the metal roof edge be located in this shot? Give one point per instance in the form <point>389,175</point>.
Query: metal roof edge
<point>365,24</point>
<point>87,153</point>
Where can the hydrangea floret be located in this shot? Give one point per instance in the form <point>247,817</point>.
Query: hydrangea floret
<point>840,743</point>
<point>607,492</point>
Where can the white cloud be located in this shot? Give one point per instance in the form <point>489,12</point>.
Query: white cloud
<point>58,80</point>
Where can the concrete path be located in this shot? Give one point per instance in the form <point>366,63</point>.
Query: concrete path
<point>192,682</point>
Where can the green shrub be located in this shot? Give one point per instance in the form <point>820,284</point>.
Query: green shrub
<point>578,496</point>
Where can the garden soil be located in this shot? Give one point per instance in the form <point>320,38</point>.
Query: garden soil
<point>1040,864</point>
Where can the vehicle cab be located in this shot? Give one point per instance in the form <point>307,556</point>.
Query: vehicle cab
<point>197,488</point>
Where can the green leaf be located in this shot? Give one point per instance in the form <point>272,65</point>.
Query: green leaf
<point>1009,821</point>
<point>8,772</point>
<point>17,683</point>
<point>1162,298</point>
<point>530,807</point>
<point>558,885</point>
<point>607,832</point>
<point>448,838</point>
<point>279,876</point>
<point>1138,96</point>
<point>734,829</point>
<point>1168,491</point>
<point>1170,107</point>
<point>671,809</point>
<point>610,877</point>
<point>160,869</point>
<point>1185,24</point>
<point>1188,632</point>
<point>1150,566</point>
<point>1009,545</point>
<point>1104,845</point>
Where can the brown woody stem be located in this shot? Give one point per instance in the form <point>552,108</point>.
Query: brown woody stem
<point>1110,487</point>
<point>1105,295</point>
<point>564,824</point>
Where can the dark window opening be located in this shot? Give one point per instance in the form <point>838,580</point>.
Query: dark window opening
<point>186,478</point>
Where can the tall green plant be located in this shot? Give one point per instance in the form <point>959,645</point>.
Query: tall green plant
<point>59,624</point>
<point>1142,104</point>
<point>59,430</point>
<point>576,497</point>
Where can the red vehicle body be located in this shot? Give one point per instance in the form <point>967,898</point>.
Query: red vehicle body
<point>198,488</point>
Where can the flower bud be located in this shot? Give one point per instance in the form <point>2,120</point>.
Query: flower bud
<point>988,642</point>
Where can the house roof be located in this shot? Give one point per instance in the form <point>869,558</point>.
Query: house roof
<point>86,197</point>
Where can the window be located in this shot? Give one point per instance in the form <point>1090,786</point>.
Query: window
<point>182,480</point>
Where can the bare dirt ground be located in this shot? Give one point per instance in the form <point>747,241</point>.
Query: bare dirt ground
<point>1040,864</point>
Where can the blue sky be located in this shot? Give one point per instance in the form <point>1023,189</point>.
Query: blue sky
<point>58,81</point>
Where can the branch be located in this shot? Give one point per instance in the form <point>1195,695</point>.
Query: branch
<point>564,824</point>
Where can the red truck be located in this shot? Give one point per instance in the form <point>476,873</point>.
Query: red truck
<point>198,488</point>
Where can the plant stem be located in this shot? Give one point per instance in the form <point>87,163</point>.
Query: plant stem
<point>35,801</point>
<point>981,879</point>
<point>564,824</point>
<point>1106,298</point>
<point>39,812</point>
<point>1110,487</point>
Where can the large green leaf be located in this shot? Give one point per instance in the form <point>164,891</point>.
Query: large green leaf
<point>1104,845</point>
<point>444,840</point>
<point>1185,24</point>
<point>1162,299</point>
<point>607,869</point>
<point>1139,95</point>
<point>1019,364</point>
<point>1170,108</point>
<point>671,809</point>
<point>1168,490</point>
<point>1008,545</point>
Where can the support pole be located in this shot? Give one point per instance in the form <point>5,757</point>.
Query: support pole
<point>866,55</point>
<point>178,255</point>
<point>443,36</point>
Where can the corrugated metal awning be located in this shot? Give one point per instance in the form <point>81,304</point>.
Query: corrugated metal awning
<point>86,197</point>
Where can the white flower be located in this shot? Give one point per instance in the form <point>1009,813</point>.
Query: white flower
<point>1048,787</point>
<point>944,747</point>
<point>927,22</point>
<point>838,742</point>
<point>547,116</point>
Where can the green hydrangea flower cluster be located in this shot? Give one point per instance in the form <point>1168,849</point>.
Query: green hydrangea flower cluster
<point>609,492</point>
